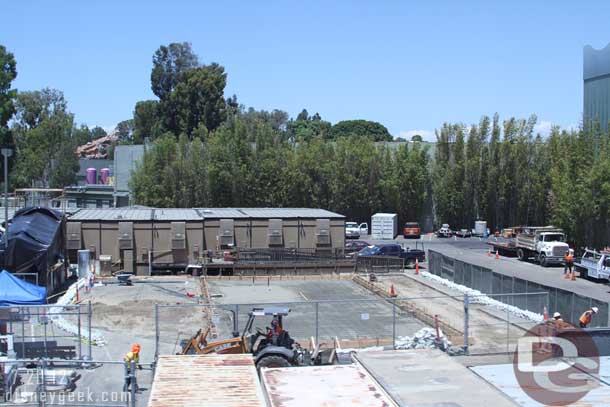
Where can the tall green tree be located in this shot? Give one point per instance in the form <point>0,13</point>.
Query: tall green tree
<point>198,102</point>
<point>44,141</point>
<point>8,73</point>
<point>306,127</point>
<point>169,63</point>
<point>146,122</point>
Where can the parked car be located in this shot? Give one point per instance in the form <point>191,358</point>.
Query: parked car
<point>354,246</point>
<point>354,230</point>
<point>444,231</point>
<point>394,250</point>
<point>463,233</point>
<point>411,230</point>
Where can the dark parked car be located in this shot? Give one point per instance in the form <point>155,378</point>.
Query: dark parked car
<point>355,246</point>
<point>463,233</point>
<point>411,230</point>
<point>394,250</point>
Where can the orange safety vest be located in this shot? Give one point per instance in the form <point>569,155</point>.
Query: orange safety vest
<point>586,317</point>
<point>569,259</point>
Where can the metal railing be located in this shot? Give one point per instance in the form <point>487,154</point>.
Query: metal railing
<point>288,255</point>
<point>379,264</point>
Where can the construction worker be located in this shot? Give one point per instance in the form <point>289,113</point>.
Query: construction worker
<point>568,262</point>
<point>131,357</point>
<point>587,316</point>
<point>558,321</point>
<point>275,331</point>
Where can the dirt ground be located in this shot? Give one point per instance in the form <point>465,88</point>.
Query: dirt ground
<point>124,315</point>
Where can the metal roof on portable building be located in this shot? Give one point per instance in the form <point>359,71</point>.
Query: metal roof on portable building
<point>186,214</point>
<point>206,380</point>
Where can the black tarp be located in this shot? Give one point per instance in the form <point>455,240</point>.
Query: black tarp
<point>32,243</point>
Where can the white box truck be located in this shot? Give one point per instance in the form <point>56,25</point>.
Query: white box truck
<point>384,226</point>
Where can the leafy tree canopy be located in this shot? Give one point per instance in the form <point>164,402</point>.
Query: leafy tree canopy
<point>364,128</point>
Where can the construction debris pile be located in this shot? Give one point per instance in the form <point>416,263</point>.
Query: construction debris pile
<point>426,338</point>
<point>97,148</point>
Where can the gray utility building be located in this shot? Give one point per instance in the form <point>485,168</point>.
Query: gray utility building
<point>596,76</point>
<point>174,238</point>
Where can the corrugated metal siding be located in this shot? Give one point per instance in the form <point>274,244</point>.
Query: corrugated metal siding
<point>207,380</point>
<point>328,386</point>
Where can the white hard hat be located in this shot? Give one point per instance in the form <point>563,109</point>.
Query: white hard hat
<point>595,309</point>
<point>557,315</point>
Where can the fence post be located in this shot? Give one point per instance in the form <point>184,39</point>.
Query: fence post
<point>80,342</point>
<point>40,389</point>
<point>132,375</point>
<point>44,323</point>
<point>236,322</point>
<point>89,316</point>
<point>466,311</point>
<point>317,322</point>
<point>157,334</point>
<point>22,332</point>
<point>393,323</point>
<point>507,329</point>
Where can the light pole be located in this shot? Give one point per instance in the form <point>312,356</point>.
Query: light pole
<point>6,152</point>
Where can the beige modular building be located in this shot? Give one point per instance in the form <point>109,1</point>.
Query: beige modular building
<point>171,238</point>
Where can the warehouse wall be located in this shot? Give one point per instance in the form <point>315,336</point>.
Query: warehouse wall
<point>569,304</point>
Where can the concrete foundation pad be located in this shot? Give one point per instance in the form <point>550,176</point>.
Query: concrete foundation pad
<point>428,377</point>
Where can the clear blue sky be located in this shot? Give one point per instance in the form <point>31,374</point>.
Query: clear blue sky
<point>409,65</point>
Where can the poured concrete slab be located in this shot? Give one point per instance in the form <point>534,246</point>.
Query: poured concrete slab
<point>428,377</point>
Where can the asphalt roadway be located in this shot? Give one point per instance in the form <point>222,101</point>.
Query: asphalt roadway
<point>474,250</point>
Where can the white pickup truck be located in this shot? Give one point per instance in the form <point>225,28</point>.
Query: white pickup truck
<point>354,230</point>
<point>594,264</point>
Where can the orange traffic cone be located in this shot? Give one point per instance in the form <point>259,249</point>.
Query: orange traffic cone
<point>489,253</point>
<point>497,255</point>
<point>416,266</point>
<point>566,275</point>
<point>392,291</point>
<point>545,314</point>
<point>77,297</point>
<point>573,275</point>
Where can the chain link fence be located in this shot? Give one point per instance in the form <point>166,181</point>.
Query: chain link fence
<point>48,331</point>
<point>49,382</point>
